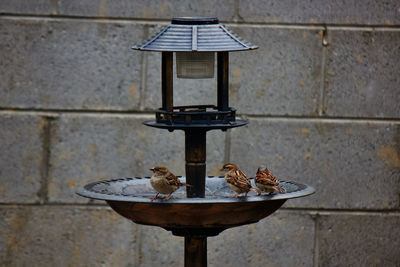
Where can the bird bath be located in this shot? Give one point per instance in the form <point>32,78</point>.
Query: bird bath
<point>207,207</point>
<point>217,211</point>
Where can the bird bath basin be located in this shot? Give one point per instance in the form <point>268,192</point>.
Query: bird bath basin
<point>130,197</point>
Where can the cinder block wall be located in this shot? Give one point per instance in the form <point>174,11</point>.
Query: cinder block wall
<point>321,95</point>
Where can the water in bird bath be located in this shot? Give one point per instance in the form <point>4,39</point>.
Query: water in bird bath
<point>140,189</point>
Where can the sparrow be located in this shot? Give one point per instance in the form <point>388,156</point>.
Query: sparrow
<point>238,180</point>
<point>164,182</point>
<point>267,182</point>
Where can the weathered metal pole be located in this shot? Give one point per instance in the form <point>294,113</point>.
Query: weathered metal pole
<point>167,81</point>
<point>223,80</point>
<point>195,154</point>
<point>195,251</point>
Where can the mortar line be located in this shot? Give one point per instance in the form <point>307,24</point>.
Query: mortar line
<point>316,241</point>
<point>45,135</point>
<point>321,99</point>
<point>227,147</point>
<point>322,211</point>
<point>323,118</point>
<point>143,82</point>
<point>138,247</point>
<point>228,22</point>
<point>58,112</point>
<point>236,15</point>
<point>85,18</point>
<point>56,6</point>
<point>55,112</point>
<point>54,204</point>
<point>317,25</point>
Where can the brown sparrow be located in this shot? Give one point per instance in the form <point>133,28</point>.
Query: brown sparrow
<point>237,180</point>
<point>267,182</point>
<point>164,182</point>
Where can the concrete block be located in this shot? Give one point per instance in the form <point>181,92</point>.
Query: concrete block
<point>286,238</point>
<point>69,64</point>
<point>148,9</point>
<point>282,77</point>
<point>65,236</point>
<point>160,248</point>
<point>317,12</point>
<point>21,161</point>
<point>359,240</point>
<point>38,7</point>
<point>362,74</point>
<point>91,147</point>
<point>351,164</point>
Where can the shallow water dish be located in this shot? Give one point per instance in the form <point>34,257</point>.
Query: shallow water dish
<point>130,197</point>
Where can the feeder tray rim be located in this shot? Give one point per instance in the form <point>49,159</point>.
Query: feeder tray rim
<point>85,191</point>
<point>185,110</point>
<point>203,126</point>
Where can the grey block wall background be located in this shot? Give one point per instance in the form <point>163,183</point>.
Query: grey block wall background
<point>321,95</point>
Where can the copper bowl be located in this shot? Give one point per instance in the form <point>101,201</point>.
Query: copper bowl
<point>131,198</point>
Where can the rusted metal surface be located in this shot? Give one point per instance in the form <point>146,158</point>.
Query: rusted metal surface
<point>200,218</point>
<point>184,216</point>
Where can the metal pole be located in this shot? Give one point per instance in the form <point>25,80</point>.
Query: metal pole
<point>195,154</point>
<point>195,251</point>
<point>223,80</point>
<point>167,81</point>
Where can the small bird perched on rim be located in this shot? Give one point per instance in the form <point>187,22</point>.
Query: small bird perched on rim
<point>238,180</point>
<point>164,182</point>
<point>267,182</point>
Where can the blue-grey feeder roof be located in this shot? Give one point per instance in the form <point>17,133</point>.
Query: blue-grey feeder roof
<point>195,35</point>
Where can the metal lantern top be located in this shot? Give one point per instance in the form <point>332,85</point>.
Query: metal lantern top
<point>195,35</point>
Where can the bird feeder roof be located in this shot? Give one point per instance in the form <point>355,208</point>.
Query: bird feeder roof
<point>195,35</point>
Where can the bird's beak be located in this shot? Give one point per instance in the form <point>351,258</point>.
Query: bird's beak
<point>152,169</point>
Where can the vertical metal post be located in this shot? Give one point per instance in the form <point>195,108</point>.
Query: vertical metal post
<point>195,251</point>
<point>223,80</point>
<point>195,154</point>
<point>167,81</point>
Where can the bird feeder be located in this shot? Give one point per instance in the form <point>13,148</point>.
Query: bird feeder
<point>207,208</point>
<point>196,42</point>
